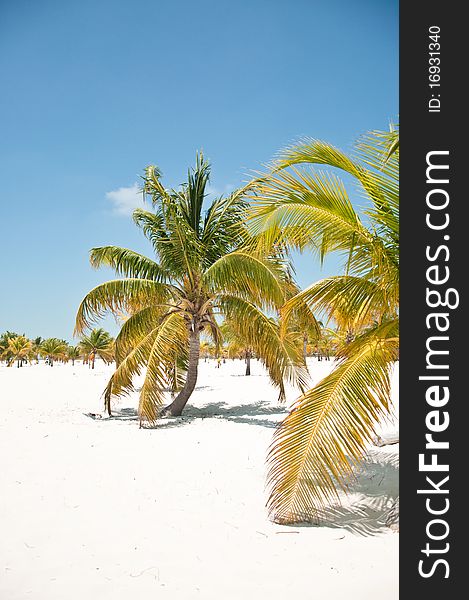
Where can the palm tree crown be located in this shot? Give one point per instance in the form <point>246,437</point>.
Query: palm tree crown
<point>53,349</point>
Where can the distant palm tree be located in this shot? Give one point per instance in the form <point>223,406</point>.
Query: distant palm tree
<point>97,343</point>
<point>238,346</point>
<point>202,270</point>
<point>207,350</point>
<point>19,349</point>
<point>73,353</point>
<point>53,349</point>
<point>4,343</point>
<point>324,437</point>
<point>37,341</point>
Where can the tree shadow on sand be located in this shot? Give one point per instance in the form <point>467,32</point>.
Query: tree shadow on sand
<point>257,413</point>
<point>373,495</point>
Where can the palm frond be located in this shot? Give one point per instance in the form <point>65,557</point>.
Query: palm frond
<point>352,302</point>
<point>303,209</point>
<point>324,437</point>
<point>275,348</point>
<point>248,275</point>
<point>136,327</point>
<point>127,263</point>
<point>168,346</point>
<point>118,295</point>
<point>320,153</point>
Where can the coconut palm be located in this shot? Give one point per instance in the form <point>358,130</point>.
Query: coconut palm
<point>97,343</point>
<point>4,344</point>
<point>207,350</point>
<point>73,353</point>
<point>317,446</point>
<point>53,349</point>
<point>19,348</point>
<point>35,352</point>
<point>201,271</point>
<point>237,345</point>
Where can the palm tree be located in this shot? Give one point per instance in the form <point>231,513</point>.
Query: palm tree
<point>201,271</point>
<point>207,350</point>
<point>317,446</point>
<point>4,344</point>
<point>19,349</point>
<point>238,346</point>
<point>73,353</point>
<point>37,341</point>
<point>53,349</point>
<point>97,343</point>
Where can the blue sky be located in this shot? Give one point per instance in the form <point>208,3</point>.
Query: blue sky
<point>93,91</point>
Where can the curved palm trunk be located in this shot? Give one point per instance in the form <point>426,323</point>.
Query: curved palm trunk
<point>177,406</point>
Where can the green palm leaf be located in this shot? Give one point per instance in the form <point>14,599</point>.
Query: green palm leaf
<point>352,302</point>
<point>169,344</point>
<point>127,263</point>
<point>249,275</point>
<point>325,435</point>
<point>118,295</point>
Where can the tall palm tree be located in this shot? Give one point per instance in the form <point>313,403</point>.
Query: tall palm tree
<point>201,271</point>
<point>97,343</point>
<point>53,349</point>
<point>317,446</point>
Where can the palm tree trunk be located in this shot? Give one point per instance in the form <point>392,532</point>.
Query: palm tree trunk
<point>248,362</point>
<point>177,406</point>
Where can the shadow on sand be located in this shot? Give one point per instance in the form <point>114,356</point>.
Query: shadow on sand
<point>372,506</point>
<point>250,414</point>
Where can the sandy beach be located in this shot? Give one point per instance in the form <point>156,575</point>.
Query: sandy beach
<point>102,509</point>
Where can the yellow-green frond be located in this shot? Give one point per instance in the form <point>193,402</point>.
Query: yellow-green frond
<point>169,344</point>
<point>277,350</point>
<point>351,301</point>
<point>249,275</point>
<point>315,449</point>
<point>127,263</point>
<point>118,295</point>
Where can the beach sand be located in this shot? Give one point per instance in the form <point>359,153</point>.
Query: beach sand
<point>100,509</point>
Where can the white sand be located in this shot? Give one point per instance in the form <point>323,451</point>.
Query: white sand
<point>98,509</point>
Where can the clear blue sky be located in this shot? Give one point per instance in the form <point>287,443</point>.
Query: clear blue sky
<point>93,91</point>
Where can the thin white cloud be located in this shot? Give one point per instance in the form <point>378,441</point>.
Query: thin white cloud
<point>125,200</point>
<point>215,192</point>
